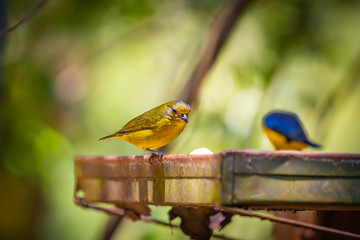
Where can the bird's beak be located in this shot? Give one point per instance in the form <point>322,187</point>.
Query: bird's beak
<point>184,118</point>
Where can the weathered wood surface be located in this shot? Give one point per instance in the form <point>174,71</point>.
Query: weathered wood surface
<point>179,179</point>
<point>247,178</point>
<point>292,180</point>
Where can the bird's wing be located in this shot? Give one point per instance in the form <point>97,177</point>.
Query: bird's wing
<point>142,122</point>
<point>292,130</point>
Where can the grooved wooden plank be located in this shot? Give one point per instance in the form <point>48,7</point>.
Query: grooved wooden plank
<point>311,193</point>
<point>152,191</point>
<point>179,179</point>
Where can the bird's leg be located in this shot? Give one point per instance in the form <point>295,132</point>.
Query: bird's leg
<point>155,153</point>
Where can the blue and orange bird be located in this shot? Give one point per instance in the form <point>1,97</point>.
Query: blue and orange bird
<point>285,132</point>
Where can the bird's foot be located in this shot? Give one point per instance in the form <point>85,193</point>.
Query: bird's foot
<point>154,154</point>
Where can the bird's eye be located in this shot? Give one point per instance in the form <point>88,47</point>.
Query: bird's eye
<point>174,111</point>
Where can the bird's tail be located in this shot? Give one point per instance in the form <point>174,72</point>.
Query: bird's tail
<point>312,144</point>
<point>108,137</point>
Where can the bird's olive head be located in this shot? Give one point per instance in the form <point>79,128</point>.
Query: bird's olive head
<point>178,110</point>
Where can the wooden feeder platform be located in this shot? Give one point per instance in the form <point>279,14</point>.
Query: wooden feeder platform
<point>241,178</point>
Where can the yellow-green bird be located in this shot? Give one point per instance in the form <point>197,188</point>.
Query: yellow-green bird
<point>156,127</point>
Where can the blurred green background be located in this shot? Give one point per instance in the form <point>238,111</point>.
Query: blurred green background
<point>79,70</point>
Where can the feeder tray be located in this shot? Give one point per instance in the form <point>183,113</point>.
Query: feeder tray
<point>242,178</point>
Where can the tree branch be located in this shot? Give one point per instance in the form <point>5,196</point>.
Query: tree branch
<point>27,17</point>
<point>219,32</point>
<point>291,222</point>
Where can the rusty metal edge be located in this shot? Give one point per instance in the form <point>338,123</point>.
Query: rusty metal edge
<point>299,154</point>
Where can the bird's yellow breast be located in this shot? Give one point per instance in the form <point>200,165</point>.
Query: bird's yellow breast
<point>280,142</point>
<point>164,132</point>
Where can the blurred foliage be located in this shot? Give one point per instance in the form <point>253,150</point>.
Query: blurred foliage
<point>81,69</point>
